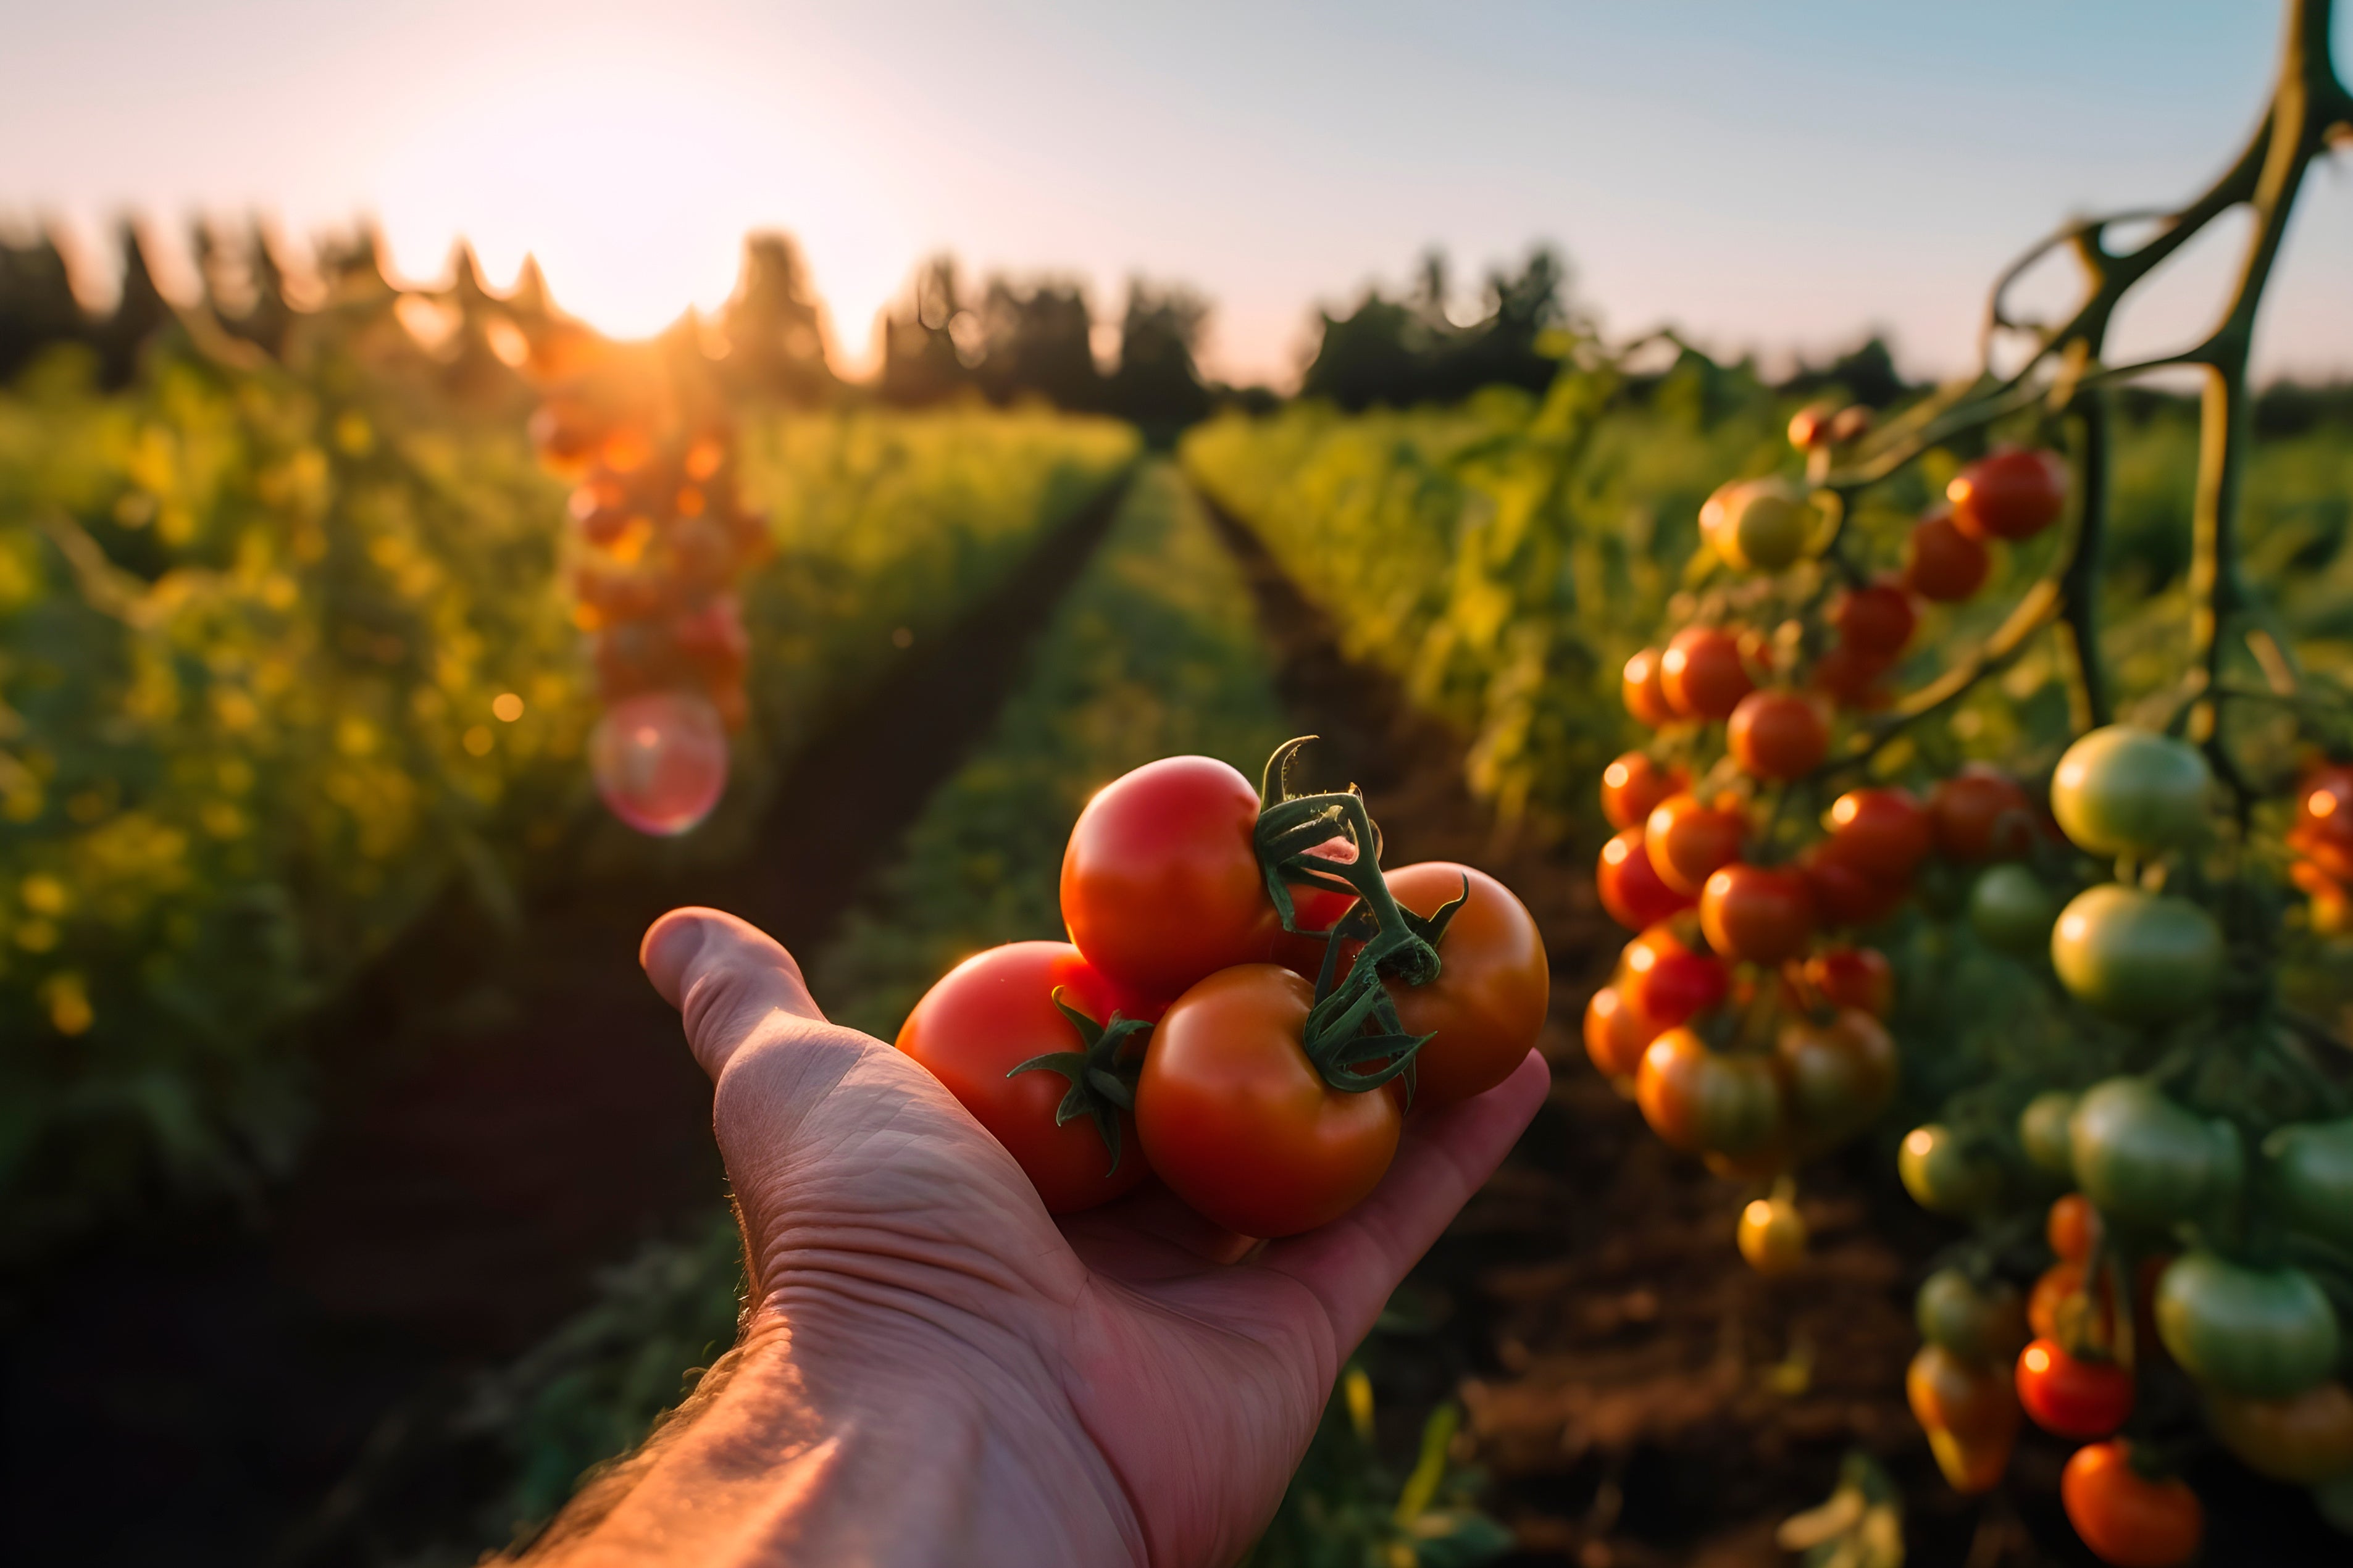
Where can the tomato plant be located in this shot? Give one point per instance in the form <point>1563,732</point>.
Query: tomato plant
<point>1006,1032</point>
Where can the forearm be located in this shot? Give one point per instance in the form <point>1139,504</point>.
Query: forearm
<point>892,1456</point>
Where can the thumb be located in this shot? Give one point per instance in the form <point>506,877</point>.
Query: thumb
<point>725,976</point>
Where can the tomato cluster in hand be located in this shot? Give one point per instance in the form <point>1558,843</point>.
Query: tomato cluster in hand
<point>1265,1113</point>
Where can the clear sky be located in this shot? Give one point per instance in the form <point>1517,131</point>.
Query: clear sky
<point>1772,177</point>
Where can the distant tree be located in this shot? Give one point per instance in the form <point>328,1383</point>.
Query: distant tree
<point>776,344</point>
<point>1037,341</point>
<point>1865,374</point>
<point>921,363</point>
<point>38,307</point>
<point>1401,352</point>
<point>1157,385</point>
<point>140,311</point>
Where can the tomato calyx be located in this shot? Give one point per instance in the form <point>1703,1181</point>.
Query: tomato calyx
<point>1101,1074</point>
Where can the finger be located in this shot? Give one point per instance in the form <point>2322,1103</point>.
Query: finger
<point>725,976</point>
<point>1353,1264</point>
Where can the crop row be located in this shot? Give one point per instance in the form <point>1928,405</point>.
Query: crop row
<point>284,654</point>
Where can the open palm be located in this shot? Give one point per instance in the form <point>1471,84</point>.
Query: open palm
<point>1144,1381</point>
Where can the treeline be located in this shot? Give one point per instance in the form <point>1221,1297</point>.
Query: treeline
<point>1006,341</point>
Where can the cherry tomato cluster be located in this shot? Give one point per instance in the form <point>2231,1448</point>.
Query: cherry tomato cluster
<point>659,534</point>
<point>2179,1250</point>
<point>1247,1007</point>
<point>1745,1018</point>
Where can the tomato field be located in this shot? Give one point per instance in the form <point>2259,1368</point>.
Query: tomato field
<point>1912,823</point>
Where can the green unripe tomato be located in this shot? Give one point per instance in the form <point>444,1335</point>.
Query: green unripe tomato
<point>2262,1333</point>
<point>2042,1128</point>
<point>2122,791</point>
<point>2139,956</point>
<point>1757,525</point>
<point>1945,1175</point>
<point>2141,1158</point>
<point>2312,1177</point>
<point>1984,1324</point>
<point>2012,911</point>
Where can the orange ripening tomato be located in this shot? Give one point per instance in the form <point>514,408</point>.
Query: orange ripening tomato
<point>1238,1122</point>
<point>1971,1465</point>
<point>1701,1102</point>
<point>1616,1032</point>
<point>1811,425</point>
<point>2014,492</point>
<point>2323,832</point>
<point>2069,1397</point>
<point>1161,883</point>
<point>1645,696</point>
<point>1629,886</point>
<point>1846,895</point>
<point>1688,842</point>
<point>992,1013</point>
<point>1761,914</point>
<point>1666,979</point>
<point>1493,982</point>
<point>1941,562</point>
<point>1876,621</point>
<point>1778,734</point>
<point>1882,833</point>
<point>1979,814</point>
<point>2072,1228</point>
<point>2127,1518</point>
<point>1856,977</point>
<point>1633,785</point>
<point>1703,674</point>
<point>1963,1397</point>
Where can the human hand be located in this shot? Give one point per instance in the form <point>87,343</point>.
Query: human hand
<point>935,1369</point>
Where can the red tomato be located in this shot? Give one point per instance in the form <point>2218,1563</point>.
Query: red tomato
<point>2071,1397</point>
<point>1811,425</point>
<point>1882,833</point>
<point>1703,673</point>
<point>1161,883</point>
<point>1876,621</point>
<point>1846,895</point>
<point>992,1013</point>
<point>1979,814</point>
<point>1941,562</point>
<point>1778,734</point>
<point>1238,1122</point>
<point>2015,492</point>
<point>1857,977</point>
<point>1757,913</point>
<point>2125,1518</point>
<point>1668,982</point>
<point>2073,1227</point>
<point>1630,885</point>
<point>1493,983</point>
<point>1850,677</point>
<point>1645,697</point>
<point>1616,1031</point>
<point>1687,841</point>
<point>1633,785</point>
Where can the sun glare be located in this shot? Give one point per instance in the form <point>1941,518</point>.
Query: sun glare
<point>634,179</point>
